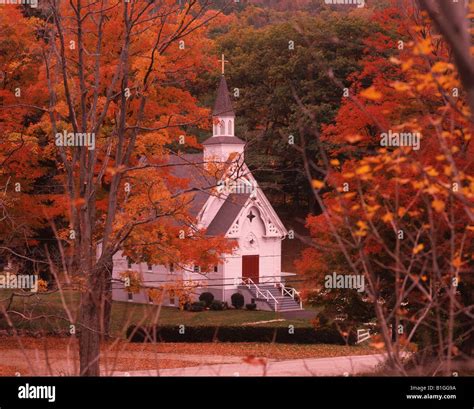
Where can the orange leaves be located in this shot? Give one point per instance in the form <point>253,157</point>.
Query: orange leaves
<point>438,205</point>
<point>317,184</point>
<point>417,249</point>
<point>363,170</point>
<point>387,217</point>
<point>371,93</point>
<point>423,46</point>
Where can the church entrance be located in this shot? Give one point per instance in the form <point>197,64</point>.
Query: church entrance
<point>250,268</point>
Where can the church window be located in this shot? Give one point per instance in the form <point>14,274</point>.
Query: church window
<point>197,269</point>
<point>251,216</point>
<point>129,264</point>
<point>130,296</point>
<point>171,268</point>
<point>150,267</point>
<point>229,127</point>
<point>222,128</point>
<point>215,269</point>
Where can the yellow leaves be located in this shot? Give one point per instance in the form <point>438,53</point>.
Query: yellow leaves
<point>353,138</point>
<point>395,61</point>
<point>441,67</point>
<point>317,184</point>
<point>363,227</point>
<point>363,170</point>
<point>373,209</point>
<point>423,47</point>
<point>371,93</point>
<point>417,184</point>
<point>334,162</point>
<point>401,211</point>
<point>431,171</point>
<point>387,217</point>
<point>349,195</point>
<point>418,248</point>
<point>400,86</point>
<point>438,205</point>
<point>406,65</point>
<point>457,263</point>
<point>42,286</point>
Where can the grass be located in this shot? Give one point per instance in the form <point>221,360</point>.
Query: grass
<point>47,312</point>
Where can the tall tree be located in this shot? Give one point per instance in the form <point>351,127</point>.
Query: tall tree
<point>113,77</point>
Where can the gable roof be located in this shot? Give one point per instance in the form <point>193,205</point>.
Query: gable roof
<point>227,214</point>
<point>223,104</point>
<point>190,166</point>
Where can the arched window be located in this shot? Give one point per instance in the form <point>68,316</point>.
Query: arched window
<point>222,128</point>
<point>229,127</point>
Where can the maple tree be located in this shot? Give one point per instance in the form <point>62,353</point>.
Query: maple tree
<point>117,74</point>
<point>401,215</point>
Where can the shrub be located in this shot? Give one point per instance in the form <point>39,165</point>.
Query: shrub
<point>237,300</point>
<point>252,306</point>
<point>323,319</point>
<point>217,305</point>
<point>207,298</point>
<point>303,335</point>
<point>197,306</point>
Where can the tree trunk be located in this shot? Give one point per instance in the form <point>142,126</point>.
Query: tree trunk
<point>92,320</point>
<point>108,268</point>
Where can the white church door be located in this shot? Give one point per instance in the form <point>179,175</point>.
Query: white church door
<point>250,268</point>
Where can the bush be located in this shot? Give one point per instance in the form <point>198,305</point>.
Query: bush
<point>237,300</point>
<point>207,298</point>
<point>197,306</point>
<point>304,335</point>
<point>323,319</point>
<point>251,306</point>
<point>217,305</point>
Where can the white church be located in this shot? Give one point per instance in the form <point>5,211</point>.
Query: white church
<point>240,212</point>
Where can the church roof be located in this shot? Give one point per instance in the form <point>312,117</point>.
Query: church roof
<point>227,214</point>
<point>232,140</point>
<point>190,166</point>
<point>223,104</point>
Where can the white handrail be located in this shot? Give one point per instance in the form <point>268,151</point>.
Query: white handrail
<point>248,282</point>
<point>292,293</point>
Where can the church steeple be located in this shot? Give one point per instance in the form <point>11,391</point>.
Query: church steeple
<point>223,116</point>
<point>223,142</point>
<point>223,104</point>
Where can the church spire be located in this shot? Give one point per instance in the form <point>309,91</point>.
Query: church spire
<point>223,104</point>
<point>223,115</point>
<point>223,143</point>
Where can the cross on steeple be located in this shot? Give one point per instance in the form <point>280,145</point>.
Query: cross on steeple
<point>223,61</point>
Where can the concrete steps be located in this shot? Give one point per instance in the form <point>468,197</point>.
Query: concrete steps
<point>285,302</point>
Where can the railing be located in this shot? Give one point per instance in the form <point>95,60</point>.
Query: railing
<point>248,282</point>
<point>292,293</point>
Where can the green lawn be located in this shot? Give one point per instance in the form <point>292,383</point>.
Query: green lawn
<point>48,312</point>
